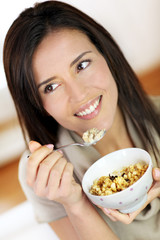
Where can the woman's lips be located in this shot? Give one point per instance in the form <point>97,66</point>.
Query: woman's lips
<point>90,110</point>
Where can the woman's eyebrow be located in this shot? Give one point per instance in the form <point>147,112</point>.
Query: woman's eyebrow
<point>79,57</point>
<point>72,63</point>
<point>46,81</point>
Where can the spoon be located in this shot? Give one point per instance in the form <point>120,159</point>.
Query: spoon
<point>84,144</point>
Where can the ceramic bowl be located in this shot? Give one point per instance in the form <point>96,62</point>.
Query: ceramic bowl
<point>131,198</point>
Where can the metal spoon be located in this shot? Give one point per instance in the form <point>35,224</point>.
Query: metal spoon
<point>84,144</point>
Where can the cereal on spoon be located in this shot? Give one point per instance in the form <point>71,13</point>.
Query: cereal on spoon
<point>93,135</point>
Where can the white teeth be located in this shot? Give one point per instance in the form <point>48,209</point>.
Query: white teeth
<point>89,110</point>
<point>92,108</point>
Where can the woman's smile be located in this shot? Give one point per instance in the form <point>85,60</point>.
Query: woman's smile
<point>90,110</point>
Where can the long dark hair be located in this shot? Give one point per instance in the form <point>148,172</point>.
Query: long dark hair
<point>23,37</point>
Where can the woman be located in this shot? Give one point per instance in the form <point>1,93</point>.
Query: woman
<point>67,75</point>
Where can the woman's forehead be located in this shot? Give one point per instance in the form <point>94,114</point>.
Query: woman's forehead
<point>67,43</point>
<point>64,36</point>
<point>59,49</point>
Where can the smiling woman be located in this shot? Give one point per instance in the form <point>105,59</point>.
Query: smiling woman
<point>82,78</point>
<point>67,75</point>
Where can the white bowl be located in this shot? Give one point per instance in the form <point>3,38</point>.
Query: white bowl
<point>131,198</point>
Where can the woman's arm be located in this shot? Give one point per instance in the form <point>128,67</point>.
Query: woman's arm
<point>83,222</point>
<point>64,229</point>
<point>87,223</point>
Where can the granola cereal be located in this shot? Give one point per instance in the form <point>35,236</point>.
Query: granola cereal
<point>118,181</point>
<point>93,135</point>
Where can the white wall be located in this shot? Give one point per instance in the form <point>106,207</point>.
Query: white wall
<point>135,24</point>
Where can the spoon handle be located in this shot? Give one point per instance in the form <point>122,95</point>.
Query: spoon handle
<point>71,144</point>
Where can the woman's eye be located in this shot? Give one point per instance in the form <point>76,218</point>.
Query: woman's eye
<point>83,65</point>
<point>51,87</point>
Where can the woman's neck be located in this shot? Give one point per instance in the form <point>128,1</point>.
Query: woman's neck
<point>117,137</point>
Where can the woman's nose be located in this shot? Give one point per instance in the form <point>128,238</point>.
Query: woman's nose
<point>76,91</point>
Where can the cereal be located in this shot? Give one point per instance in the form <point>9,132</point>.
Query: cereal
<point>93,135</point>
<point>107,185</point>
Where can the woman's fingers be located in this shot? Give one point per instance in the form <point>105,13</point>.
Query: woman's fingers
<point>156,174</point>
<point>128,218</point>
<point>55,178</point>
<point>59,180</point>
<point>125,218</point>
<point>155,189</point>
<point>108,213</point>
<point>154,192</point>
<point>51,176</point>
<point>115,215</point>
<point>67,178</point>
<point>34,160</point>
<point>45,172</point>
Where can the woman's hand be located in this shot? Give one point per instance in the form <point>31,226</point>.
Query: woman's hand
<point>51,176</point>
<point>153,193</point>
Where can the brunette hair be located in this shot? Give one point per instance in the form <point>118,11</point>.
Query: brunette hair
<point>23,37</point>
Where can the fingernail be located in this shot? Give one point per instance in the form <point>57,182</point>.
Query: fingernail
<point>60,151</point>
<point>107,210</point>
<point>50,146</point>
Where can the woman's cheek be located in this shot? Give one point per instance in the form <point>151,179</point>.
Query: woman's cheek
<point>102,78</point>
<point>50,107</point>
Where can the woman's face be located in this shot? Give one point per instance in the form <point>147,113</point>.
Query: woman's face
<point>74,81</point>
